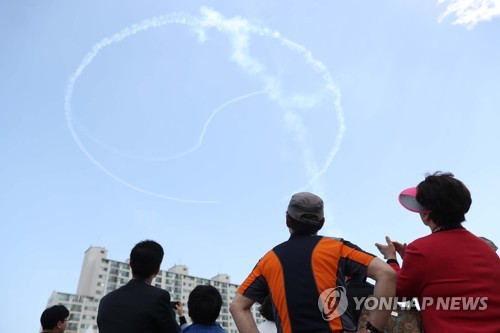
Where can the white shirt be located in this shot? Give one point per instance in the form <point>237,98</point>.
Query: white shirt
<point>267,327</point>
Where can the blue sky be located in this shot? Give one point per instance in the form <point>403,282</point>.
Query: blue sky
<point>195,126</point>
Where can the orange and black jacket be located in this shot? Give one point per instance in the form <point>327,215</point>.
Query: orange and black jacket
<point>297,272</point>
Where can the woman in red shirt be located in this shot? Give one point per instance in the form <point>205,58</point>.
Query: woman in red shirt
<point>454,274</point>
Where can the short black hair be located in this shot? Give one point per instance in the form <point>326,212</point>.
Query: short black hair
<point>204,304</point>
<point>145,259</point>
<point>266,308</point>
<point>447,198</point>
<point>51,316</point>
<point>308,225</point>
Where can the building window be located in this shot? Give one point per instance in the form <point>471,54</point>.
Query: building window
<point>76,308</point>
<point>72,327</point>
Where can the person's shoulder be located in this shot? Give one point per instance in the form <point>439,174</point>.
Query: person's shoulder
<point>341,242</point>
<point>146,288</point>
<point>333,239</point>
<point>110,298</point>
<point>345,248</point>
<point>216,328</point>
<point>157,290</point>
<point>438,238</point>
<point>112,293</point>
<point>421,240</point>
<point>428,243</point>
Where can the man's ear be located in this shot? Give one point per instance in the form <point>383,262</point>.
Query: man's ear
<point>288,220</point>
<point>322,224</point>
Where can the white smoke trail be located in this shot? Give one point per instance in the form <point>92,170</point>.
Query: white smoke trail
<point>127,32</point>
<point>182,154</point>
<point>239,31</point>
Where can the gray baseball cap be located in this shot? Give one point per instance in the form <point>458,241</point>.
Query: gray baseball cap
<point>305,203</point>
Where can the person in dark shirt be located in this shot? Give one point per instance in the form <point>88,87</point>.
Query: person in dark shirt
<point>204,304</point>
<point>305,277</point>
<point>138,306</point>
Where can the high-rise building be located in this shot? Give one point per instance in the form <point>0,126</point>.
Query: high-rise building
<point>100,275</point>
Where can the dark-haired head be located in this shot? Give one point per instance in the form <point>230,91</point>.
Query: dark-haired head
<point>145,259</point>
<point>308,225</point>
<point>204,304</point>
<point>54,316</point>
<point>447,198</point>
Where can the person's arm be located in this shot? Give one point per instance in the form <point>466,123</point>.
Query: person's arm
<point>180,312</point>
<point>165,315</point>
<point>385,291</point>
<point>240,309</point>
<point>413,274</point>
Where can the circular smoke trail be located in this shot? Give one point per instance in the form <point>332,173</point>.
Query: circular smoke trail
<point>238,31</point>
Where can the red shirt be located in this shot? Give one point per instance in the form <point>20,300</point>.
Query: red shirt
<point>456,277</point>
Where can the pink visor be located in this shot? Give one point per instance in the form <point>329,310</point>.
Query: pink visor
<point>408,199</point>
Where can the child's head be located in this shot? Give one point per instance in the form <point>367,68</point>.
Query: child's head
<point>204,304</point>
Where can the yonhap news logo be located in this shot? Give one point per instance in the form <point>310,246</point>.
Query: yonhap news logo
<point>332,303</point>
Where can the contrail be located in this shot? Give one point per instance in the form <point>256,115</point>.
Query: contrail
<point>238,30</point>
<point>127,32</point>
<point>178,155</point>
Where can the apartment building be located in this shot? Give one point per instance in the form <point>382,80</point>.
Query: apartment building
<point>100,275</point>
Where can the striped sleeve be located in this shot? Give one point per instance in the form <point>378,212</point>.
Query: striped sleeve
<point>255,285</point>
<point>357,260</point>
